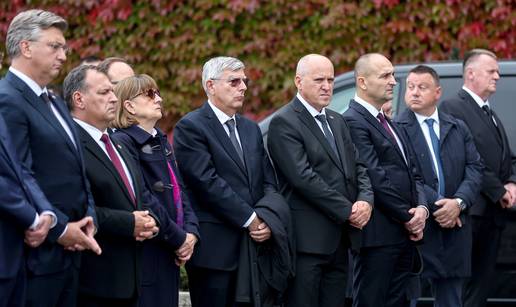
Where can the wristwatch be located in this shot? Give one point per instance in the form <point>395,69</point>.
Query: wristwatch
<point>460,204</point>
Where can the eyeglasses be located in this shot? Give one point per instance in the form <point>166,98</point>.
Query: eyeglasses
<point>234,82</point>
<point>55,46</point>
<point>151,93</point>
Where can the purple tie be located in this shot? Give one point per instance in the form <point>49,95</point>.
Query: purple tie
<point>385,125</point>
<point>118,165</point>
<point>177,196</point>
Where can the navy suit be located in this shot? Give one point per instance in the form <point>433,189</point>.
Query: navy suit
<point>222,191</point>
<point>387,256</point>
<point>447,252</point>
<point>487,214</point>
<point>160,274</point>
<point>20,201</point>
<point>45,148</point>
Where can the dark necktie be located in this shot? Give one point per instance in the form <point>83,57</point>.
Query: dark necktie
<point>327,134</point>
<point>232,136</point>
<point>437,151</point>
<point>489,112</point>
<point>47,100</point>
<point>118,165</point>
<point>385,125</point>
<point>176,193</point>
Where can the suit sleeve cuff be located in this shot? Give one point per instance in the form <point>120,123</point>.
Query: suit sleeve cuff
<point>249,220</point>
<point>35,223</point>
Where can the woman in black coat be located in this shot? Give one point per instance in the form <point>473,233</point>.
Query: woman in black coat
<point>138,110</point>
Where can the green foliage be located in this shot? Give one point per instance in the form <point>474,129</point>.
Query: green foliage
<point>170,40</point>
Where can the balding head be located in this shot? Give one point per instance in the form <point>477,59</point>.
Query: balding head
<point>314,80</point>
<point>374,77</point>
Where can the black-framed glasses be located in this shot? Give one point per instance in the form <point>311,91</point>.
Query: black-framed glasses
<point>151,93</point>
<point>234,82</point>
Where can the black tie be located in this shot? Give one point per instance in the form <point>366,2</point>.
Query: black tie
<point>47,100</point>
<point>327,134</point>
<point>489,113</point>
<point>232,136</point>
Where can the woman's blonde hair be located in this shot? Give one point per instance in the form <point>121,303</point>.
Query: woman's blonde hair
<point>125,90</point>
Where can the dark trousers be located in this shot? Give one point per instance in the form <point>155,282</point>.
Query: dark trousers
<point>211,288</point>
<point>486,241</point>
<point>320,280</point>
<point>447,292</point>
<point>382,275</point>
<point>85,300</point>
<point>12,290</point>
<point>53,290</point>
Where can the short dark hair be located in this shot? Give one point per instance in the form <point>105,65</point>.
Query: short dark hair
<point>423,69</point>
<point>107,62</point>
<point>75,81</point>
<point>90,59</point>
<point>473,54</point>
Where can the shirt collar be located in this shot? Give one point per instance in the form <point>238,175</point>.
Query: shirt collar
<point>421,118</point>
<point>310,109</point>
<point>475,97</point>
<point>92,130</point>
<point>369,107</point>
<point>221,116</point>
<point>30,83</point>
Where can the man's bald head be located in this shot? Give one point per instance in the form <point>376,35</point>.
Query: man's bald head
<point>309,62</point>
<point>364,66</point>
<point>374,78</point>
<point>314,80</point>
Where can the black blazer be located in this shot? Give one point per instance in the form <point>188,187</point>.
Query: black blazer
<point>20,201</point>
<point>57,165</point>
<point>116,272</point>
<point>319,186</point>
<point>395,182</point>
<point>447,252</point>
<point>221,189</point>
<point>493,146</point>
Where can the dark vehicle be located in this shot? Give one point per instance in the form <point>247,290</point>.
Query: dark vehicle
<point>503,287</point>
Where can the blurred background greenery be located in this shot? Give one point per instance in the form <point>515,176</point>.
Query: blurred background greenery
<point>170,40</point>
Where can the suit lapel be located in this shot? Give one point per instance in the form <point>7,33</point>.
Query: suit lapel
<point>479,113</point>
<point>38,104</point>
<point>376,124</point>
<point>339,141</point>
<point>307,119</point>
<point>132,171</point>
<point>92,146</point>
<point>223,137</point>
<point>423,154</point>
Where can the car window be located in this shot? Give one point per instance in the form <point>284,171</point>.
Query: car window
<point>342,96</point>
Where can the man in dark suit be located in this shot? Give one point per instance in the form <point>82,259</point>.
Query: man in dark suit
<point>23,207</point>
<point>498,190</point>
<point>451,168</point>
<point>325,184</point>
<point>46,142</point>
<point>127,212</point>
<point>388,255</point>
<point>227,170</point>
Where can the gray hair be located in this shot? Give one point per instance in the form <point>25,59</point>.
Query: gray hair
<point>216,66</point>
<point>472,55</point>
<point>27,25</point>
<point>75,81</point>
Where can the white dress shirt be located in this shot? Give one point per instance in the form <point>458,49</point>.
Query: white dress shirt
<point>223,118</point>
<point>96,134</point>
<point>369,107</point>
<point>479,100</point>
<point>314,112</point>
<point>426,133</point>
